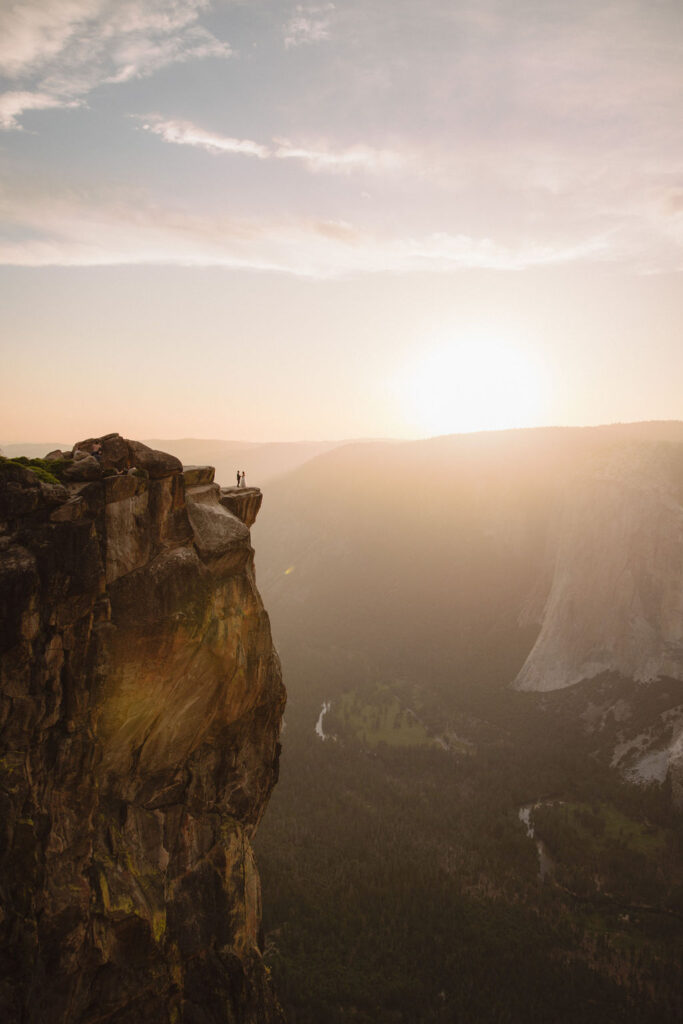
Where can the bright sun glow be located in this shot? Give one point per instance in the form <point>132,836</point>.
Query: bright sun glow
<point>473,383</point>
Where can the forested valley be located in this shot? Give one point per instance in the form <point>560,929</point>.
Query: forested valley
<point>479,836</point>
<point>399,881</point>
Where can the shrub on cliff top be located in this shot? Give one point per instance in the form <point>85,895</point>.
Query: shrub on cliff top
<point>37,466</point>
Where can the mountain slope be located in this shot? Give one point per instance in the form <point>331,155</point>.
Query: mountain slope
<point>408,585</point>
<point>260,461</point>
<point>537,558</point>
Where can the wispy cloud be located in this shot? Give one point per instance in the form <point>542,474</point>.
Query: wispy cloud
<point>309,23</point>
<point>59,50</point>
<point>36,32</point>
<point>183,133</point>
<point>340,161</point>
<point>115,229</point>
<point>320,157</point>
<point>13,105</point>
<point>539,128</point>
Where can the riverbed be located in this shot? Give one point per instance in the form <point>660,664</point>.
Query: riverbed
<point>319,731</point>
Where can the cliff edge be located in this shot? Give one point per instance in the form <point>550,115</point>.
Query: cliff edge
<point>140,709</point>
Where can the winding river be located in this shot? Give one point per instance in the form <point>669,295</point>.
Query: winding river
<point>319,731</point>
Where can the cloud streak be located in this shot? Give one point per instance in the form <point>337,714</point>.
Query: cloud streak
<point>317,158</point>
<point>183,133</point>
<point>57,51</point>
<point>117,230</point>
<point>14,104</point>
<point>540,128</point>
<point>340,161</point>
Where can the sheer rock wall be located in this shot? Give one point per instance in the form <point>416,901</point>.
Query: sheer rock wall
<point>141,702</point>
<point>615,597</point>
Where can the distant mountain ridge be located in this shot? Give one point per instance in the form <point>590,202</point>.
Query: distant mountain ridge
<point>269,459</point>
<point>262,461</point>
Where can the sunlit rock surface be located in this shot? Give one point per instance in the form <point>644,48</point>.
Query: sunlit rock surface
<point>141,707</point>
<point>615,602</point>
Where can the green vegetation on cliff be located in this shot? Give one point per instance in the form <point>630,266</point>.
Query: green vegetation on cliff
<point>44,470</point>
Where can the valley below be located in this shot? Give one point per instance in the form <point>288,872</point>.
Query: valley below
<point>469,686</point>
<point>411,889</point>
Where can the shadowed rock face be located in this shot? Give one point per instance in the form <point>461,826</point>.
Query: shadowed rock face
<point>141,707</point>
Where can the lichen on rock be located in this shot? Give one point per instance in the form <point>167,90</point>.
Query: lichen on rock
<point>141,702</point>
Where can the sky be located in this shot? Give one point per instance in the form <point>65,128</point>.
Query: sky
<point>264,220</point>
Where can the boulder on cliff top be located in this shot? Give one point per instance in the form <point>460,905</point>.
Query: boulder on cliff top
<point>113,452</point>
<point>157,464</point>
<point>194,476</point>
<point>84,467</point>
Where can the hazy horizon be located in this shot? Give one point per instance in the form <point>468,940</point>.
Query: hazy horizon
<point>247,442</point>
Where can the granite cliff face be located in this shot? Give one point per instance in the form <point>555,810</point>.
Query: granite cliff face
<point>615,597</point>
<point>141,702</point>
<point>614,602</point>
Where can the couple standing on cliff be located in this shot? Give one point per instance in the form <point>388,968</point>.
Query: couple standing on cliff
<point>240,479</point>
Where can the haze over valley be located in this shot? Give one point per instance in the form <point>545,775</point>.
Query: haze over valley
<point>460,617</point>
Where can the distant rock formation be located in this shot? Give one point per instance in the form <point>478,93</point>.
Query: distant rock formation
<point>615,598</point>
<point>141,702</point>
<point>615,602</point>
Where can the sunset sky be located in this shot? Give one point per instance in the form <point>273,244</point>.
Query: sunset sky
<point>263,220</point>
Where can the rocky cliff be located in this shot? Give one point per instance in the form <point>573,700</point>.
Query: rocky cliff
<point>141,702</point>
<point>615,598</point>
<point>614,603</point>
